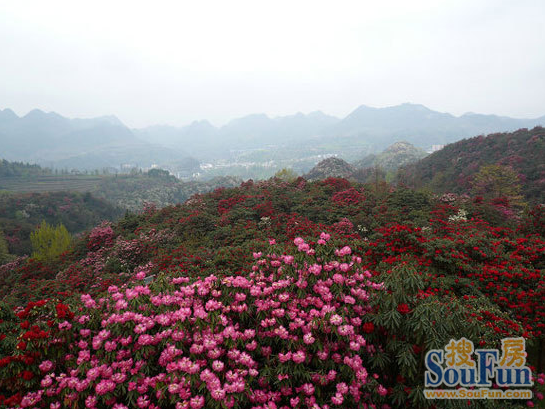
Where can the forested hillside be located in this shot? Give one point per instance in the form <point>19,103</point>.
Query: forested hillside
<point>11,169</point>
<point>453,168</point>
<point>393,157</point>
<point>21,213</point>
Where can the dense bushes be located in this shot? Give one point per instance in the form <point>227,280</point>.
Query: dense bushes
<point>330,292</point>
<point>453,168</point>
<point>21,213</point>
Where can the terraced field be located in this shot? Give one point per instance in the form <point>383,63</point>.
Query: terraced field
<point>50,183</point>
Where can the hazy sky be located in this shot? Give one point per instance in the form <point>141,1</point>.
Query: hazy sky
<point>173,62</point>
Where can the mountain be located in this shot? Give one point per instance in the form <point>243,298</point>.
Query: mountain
<point>396,155</point>
<point>52,140</point>
<point>254,131</point>
<point>252,146</point>
<point>421,126</point>
<point>453,168</point>
<point>330,167</point>
<point>365,130</point>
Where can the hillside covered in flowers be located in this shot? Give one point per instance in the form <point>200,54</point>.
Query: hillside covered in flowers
<point>275,294</point>
<point>453,168</point>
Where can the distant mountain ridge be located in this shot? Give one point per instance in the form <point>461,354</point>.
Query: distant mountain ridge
<point>301,139</point>
<point>249,132</point>
<point>52,140</point>
<point>365,129</point>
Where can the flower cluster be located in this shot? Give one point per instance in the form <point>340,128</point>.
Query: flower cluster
<point>289,334</point>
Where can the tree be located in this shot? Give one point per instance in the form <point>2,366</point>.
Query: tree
<point>287,175</point>
<point>48,242</point>
<point>495,182</point>
<point>4,253</point>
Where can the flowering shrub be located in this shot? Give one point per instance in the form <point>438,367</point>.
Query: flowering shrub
<point>102,235</point>
<point>305,330</point>
<point>287,335</point>
<point>347,197</point>
<point>202,305</point>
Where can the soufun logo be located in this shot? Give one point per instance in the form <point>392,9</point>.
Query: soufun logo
<point>460,365</point>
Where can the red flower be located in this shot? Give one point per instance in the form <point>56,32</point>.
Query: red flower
<point>403,308</point>
<point>27,375</point>
<point>63,311</point>
<point>21,345</point>
<point>368,327</point>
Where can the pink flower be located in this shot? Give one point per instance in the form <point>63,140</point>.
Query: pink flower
<point>284,357</point>
<point>217,394</point>
<point>46,366</point>
<point>336,319</point>
<point>337,399</point>
<point>315,269</point>
<point>46,382</point>
<point>381,390</point>
<point>217,366</point>
<point>308,389</point>
<point>325,236</point>
<point>104,386</point>
<point>91,401</point>
<point>142,402</point>
<point>298,357</point>
<point>197,402</point>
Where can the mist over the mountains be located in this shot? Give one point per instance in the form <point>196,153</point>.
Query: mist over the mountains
<point>255,141</point>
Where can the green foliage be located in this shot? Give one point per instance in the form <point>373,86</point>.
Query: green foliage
<point>411,323</point>
<point>49,242</point>
<point>160,174</point>
<point>396,155</point>
<point>4,254</point>
<point>10,169</point>
<point>287,175</point>
<point>415,205</point>
<point>20,213</point>
<point>496,181</point>
<point>132,192</point>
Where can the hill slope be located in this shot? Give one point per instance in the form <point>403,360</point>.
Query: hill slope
<point>364,130</point>
<point>21,213</point>
<point>393,157</point>
<point>330,168</point>
<point>453,168</point>
<point>317,285</point>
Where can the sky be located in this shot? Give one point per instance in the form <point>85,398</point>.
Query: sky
<point>174,62</point>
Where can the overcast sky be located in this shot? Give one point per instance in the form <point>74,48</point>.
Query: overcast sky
<point>174,62</point>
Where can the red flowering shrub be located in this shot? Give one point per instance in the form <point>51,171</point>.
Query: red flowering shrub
<point>215,281</point>
<point>347,197</point>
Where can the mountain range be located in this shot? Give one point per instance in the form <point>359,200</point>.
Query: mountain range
<point>52,140</point>
<point>297,141</point>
